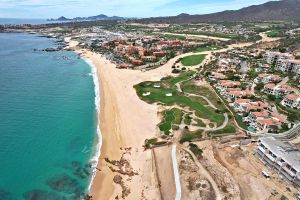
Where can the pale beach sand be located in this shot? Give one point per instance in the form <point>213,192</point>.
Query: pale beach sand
<point>126,121</point>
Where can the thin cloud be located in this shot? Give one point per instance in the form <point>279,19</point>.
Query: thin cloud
<point>126,8</point>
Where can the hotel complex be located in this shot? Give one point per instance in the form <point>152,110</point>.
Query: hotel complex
<point>281,156</point>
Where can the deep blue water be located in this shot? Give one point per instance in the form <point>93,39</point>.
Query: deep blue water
<point>17,21</point>
<point>47,120</point>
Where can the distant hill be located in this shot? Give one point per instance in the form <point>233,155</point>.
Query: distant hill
<point>91,18</point>
<point>273,10</point>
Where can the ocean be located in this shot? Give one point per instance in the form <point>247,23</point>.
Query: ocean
<point>48,120</point>
<point>19,21</point>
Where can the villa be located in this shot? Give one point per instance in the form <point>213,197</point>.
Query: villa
<point>278,90</point>
<point>216,76</point>
<point>267,78</point>
<point>240,94</point>
<point>224,84</point>
<point>269,123</point>
<point>254,116</point>
<point>291,101</point>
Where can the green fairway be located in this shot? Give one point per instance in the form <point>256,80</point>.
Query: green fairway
<point>159,95</point>
<point>191,109</point>
<point>172,37</point>
<point>207,48</point>
<point>171,117</point>
<point>189,87</point>
<point>193,60</point>
<point>221,35</point>
<point>171,80</point>
<point>273,33</point>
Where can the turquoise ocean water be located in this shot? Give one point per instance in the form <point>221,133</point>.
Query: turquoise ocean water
<point>47,120</point>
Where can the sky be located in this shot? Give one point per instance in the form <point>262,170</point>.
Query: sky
<point>125,8</point>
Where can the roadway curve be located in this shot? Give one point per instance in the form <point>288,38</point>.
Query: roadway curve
<point>204,172</point>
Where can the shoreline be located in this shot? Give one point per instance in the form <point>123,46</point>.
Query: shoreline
<point>97,152</point>
<point>99,148</point>
<point>119,131</point>
<point>126,121</point>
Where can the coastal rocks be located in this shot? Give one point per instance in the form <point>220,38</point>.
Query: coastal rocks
<point>81,171</point>
<point>41,195</point>
<point>53,49</point>
<point>125,190</point>
<point>50,49</point>
<point>4,195</point>
<point>66,184</point>
<point>123,166</point>
<point>87,197</point>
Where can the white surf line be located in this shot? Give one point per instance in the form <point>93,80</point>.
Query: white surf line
<point>176,173</point>
<point>95,158</point>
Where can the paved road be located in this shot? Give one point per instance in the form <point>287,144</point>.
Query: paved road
<point>176,173</point>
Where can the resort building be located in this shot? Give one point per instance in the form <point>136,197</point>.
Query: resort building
<point>254,116</point>
<point>216,76</point>
<point>148,58</point>
<point>268,123</point>
<point>267,78</point>
<point>281,156</point>
<point>264,120</point>
<point>278,90</point>
<point>239,104</point>
<point>159,54</point>
<point>291,101</point>
<point>239,94</point>
<point>264,67</point>
<point>287,65</point>
<point>224,84</point>
<point>272,57</point>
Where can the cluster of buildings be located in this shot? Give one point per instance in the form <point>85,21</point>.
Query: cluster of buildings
<point>284,62</point>
<point>143,50</point>
<point>257,114</point>
<point>255,111</point>
<point>132,49</point>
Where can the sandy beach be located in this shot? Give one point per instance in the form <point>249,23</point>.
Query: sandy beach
<point>125,122</point>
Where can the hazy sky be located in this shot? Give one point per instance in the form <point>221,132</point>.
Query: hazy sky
<point>125,8</point>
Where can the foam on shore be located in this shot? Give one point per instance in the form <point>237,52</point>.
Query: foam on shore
<point>95,158</point>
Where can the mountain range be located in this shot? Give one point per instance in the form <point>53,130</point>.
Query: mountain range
<point>270,11</point>
<point>91,18</point>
